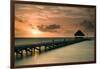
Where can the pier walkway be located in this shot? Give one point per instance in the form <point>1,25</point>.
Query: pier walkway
<point>43,46</point>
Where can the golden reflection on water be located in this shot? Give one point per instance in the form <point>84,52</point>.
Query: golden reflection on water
<point>80,52</point>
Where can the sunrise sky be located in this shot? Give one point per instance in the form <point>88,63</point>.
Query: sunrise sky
<point>53,21</point>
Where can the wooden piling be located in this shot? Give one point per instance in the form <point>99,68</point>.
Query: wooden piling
<point>34,50</point>
<point>45,48</point>
<point>39,49</point>
<point>20,52</point>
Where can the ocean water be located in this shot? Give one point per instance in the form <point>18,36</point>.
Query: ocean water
<point>23,41</point>
<point>78,52</point>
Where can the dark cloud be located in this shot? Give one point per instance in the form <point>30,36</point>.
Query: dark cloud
<point>54,19</point>
<point>53,26</point>
<point>88,25</point>
<point>49,28</point>
<point>19,19</point>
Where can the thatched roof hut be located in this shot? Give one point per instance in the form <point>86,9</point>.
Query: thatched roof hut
<point>79,33</point>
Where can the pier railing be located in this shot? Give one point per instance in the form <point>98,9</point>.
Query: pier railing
<point>31,48</point>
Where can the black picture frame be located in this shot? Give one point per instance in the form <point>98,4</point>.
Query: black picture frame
<point>43,3</point>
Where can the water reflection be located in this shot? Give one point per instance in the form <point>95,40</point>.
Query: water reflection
<point>80,52</point>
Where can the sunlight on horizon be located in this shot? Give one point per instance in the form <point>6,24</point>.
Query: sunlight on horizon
<point>53,21</point>
<point>36,31</point>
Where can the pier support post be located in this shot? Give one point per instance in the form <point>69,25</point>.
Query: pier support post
<point>26,51</point>
<point>45,48</point>
<point>39,49</point>
<point>31,51</point>
<point>34,50</point>
<point>19,52</point>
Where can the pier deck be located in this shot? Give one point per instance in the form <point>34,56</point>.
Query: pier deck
<point>31,48</point>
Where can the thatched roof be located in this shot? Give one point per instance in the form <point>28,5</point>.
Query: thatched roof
<point>79,33</point>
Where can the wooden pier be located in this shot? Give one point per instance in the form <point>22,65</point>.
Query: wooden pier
<point>43,46</point>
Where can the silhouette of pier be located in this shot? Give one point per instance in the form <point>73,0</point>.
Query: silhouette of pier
<point>44,46</point>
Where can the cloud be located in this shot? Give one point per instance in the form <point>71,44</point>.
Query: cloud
<point>88,25</point>
<point>19,19</point>
<point>49,28</point>
<point>54,19</point>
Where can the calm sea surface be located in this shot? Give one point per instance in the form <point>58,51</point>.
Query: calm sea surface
<point>79,52</point>
<point>23,41</point>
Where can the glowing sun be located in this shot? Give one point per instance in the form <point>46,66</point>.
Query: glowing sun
<point>36,31</point>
